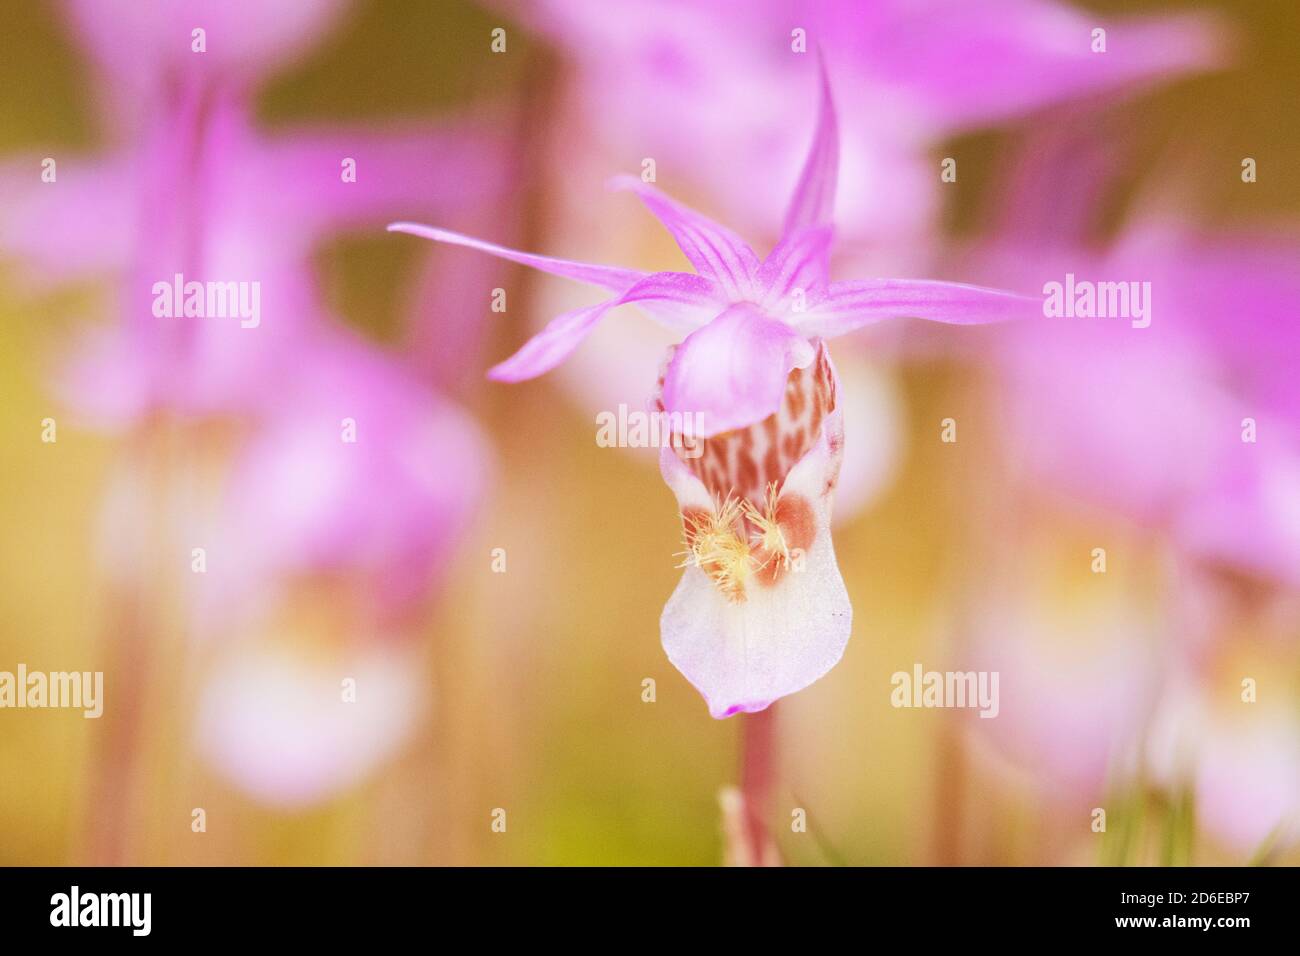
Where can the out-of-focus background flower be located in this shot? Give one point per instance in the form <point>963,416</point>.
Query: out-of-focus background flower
<point>392,632</point>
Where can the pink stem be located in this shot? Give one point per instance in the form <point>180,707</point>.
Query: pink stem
<point>757,777</point>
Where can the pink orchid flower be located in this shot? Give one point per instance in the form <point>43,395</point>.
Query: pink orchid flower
<point>271,719</point>
<point>206,195</point>
<point>1078,683</point>
<point>761,610</point>
<point>653,81</point>
<point>190,185</point>
<point>1180,414</point>
<point>1160,417</point>
<point>1146,421</point>
<point>346,480</point>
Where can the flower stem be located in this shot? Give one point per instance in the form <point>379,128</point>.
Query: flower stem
<point>128,661</point>
<point>950,789</point>
<point>757,777</point>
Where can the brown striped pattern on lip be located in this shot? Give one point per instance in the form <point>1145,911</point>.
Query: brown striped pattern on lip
<point>744,471</point>
<point>742,463</point>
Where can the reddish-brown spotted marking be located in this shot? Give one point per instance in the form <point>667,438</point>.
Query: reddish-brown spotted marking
<point>744,462</point>
<point>741,466</point>
<point>794,516</point>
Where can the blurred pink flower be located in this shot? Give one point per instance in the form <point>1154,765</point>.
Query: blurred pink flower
<point>1151,422</point>
<point>1103,697</point>
<point>360,474</point>
<point>1248,783</point>
<point>145,46</point>
<point>274,721</point>
<point>753,370</point>
<point>206,196</point>
<point>1148,421</point>
<point>1077,688</point>
<point>189,186</point>
<point>356,487</point>
<point>1241,760</point>
<point>658,79</point>
<point>351,472</point>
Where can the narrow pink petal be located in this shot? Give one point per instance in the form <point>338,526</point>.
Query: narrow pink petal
<point>973,62</point>
<point>79,225</point>
<point>851,305</point>
<point>606,277</point>
<point>679,299</point>
<point>682,301</point>
<point>800,261</point>
<point>733,371</point>
<point>714,250</point>
<point>813,203</point>
<point>551,346</point>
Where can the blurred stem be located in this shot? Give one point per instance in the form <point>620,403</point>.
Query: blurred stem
<point>1267,851</point>
<point>126,670</point>
<point>1180,827</point>
<point>757,777</point>
<point>170,219</point>
<point>110,818</point>
<point>949,795</point>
